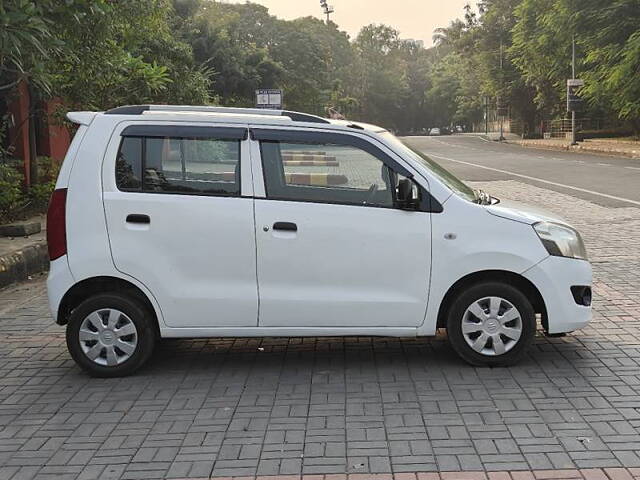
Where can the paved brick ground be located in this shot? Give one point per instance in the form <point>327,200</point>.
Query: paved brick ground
<point>359,406</point>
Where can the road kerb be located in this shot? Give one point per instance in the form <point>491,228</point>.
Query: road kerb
<point>19,265</point>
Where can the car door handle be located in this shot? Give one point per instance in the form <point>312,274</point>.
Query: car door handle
<point>138,218</point>
<point>286,226</point>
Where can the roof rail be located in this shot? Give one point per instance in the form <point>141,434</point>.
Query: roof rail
<point>304,117</point>
<point>140,109</point>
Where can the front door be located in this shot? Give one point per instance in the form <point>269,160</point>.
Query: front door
<point>333,249</point>
<point>178,224</point>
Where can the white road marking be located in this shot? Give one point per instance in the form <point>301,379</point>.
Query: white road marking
<point>633,168</point>
<point>604,164</point>
<point>548,182</point>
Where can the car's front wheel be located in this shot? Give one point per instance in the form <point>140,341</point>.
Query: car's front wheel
<point>491,324</point>
<point>110,335</point>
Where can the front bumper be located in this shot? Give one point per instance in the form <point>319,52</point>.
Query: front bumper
<point>554,277</point>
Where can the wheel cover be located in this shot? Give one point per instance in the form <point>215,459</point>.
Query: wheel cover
<point>108,337</point>
<point>492,326</point>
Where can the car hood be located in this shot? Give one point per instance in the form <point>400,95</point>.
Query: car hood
<point>521,212</point>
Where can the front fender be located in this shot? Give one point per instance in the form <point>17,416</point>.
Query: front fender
<point>466,240</point>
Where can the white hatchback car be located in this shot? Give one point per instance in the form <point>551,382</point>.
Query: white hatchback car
<point>175,221</point>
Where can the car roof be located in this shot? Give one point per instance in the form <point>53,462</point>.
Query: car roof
<point>225,114</point>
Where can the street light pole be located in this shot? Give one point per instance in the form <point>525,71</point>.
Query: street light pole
<point>573,77</point>
<point>486,115</point>
<point>501,84</point>
<point>328,9</point>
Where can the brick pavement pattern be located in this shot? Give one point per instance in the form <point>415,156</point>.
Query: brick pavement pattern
<point>330,407</point>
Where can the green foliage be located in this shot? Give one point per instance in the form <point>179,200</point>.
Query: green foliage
<point>40,193</point>
<point>11,195</point>
<point>124,52</point>
<point>230,40</point>
<point>4,150</point>
<point>542,51</point>
<point>25,41</point>
<point>96,54</point>
<point>610,39</point>
<point>623,79</point>
<point>380,68</point>
<point>536,38</point>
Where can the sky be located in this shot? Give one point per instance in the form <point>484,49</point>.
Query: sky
<point>416,19</point>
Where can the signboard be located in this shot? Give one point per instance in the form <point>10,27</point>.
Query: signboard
<point>269,98</point>
<point>574,102</point>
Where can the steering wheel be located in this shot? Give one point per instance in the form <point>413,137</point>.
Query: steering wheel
<point>371,193</point>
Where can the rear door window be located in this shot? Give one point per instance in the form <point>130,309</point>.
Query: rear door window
<point>203,161</point>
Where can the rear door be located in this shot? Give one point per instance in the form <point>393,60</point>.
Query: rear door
<point>333,248</point>
<point>180,220</point>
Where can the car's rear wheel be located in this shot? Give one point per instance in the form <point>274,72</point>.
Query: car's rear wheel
<point>491,324</point>
<point>110,335</point>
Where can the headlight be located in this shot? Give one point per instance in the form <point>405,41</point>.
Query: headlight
<point>561,240</point>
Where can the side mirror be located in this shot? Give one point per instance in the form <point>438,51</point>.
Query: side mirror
<point>406,198</point>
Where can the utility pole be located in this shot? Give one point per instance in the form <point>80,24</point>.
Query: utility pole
<point>327,9</point>
<point>501,84</point>
<point>574,102</point>
<point>573,77</point>
<point>486,115</point>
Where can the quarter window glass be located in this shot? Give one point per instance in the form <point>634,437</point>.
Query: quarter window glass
<point>326,173</point>
<point>180,165</point>
<point>129,164</point>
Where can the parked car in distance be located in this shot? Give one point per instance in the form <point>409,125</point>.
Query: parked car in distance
<point>171,221</point>
<point>435,132</point>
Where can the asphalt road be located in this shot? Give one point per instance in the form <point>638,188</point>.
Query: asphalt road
<point>605,180</point>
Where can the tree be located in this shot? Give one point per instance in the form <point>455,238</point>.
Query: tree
<point>26,39</point>
<point>443,94</point>
<point>125,52</point>
<point>381,71</point>
<point>232,41</point>
<point>609,36</point>
<point>98,53</point>
<point>309,45</point>
<point>542,51</point>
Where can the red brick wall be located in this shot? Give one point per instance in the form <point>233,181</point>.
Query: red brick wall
<point>54,139</point>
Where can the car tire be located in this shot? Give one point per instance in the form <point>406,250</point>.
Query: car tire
<point>491,324</point>
<point>111,335</point>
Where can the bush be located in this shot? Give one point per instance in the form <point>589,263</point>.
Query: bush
<point>11,195</point>
<point>609,133</point>
<point>14,203</point>
<point>40,193</point>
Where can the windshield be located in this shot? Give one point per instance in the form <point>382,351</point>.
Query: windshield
<point>446,177</point>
